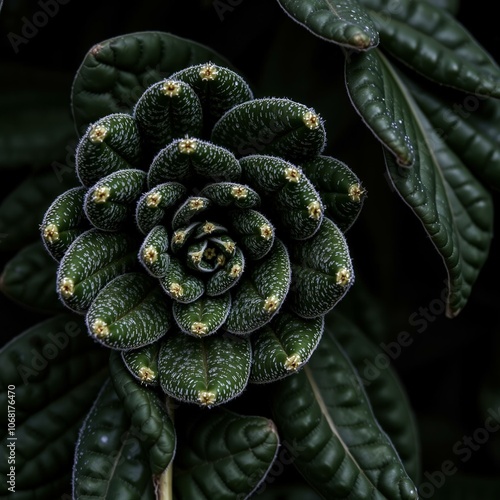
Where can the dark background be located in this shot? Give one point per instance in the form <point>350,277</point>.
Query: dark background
<point>451,368</point>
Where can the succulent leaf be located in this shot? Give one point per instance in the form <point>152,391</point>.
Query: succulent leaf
<point>129,312</point>
<point>284,346</point>
<point>207,371</point>
<point>322,272</point>
<point>92,261</point>
<point>340,189</point>
<point>271,126</point>
<point>110,201</point>
<point>142,363</point>
<point>110,144</point>
<point>153,254</point>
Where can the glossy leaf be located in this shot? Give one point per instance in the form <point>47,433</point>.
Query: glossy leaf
<point>432,42</point>
<point>147,414</point>
<point>453,206</point>
<point>109,459</point>
<point>387,396</point>
<point>223,455</point>
<point>129,312</point>
<point>29,278</point>
<point>56,372</point>
<point>340,448</point>
<point>115,72</point>
<point>22,210</point>
<point>207,371</point>
<point>343,21</point>
<point>466,129</point>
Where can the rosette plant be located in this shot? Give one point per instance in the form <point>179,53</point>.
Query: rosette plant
<point>205,264</point>
<point>182,316</point>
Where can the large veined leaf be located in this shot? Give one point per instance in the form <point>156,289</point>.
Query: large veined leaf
<point>222,455</point>
<point>30,279</point>
<point>116,72</point>
<point>147,413</point>
<point>21,212</point>
<point>50,375</point>
<point>454,208</point>
<point>431,41</point>
<point>343,21</point>
<point>109,459</point>
<point>466,128</point>
<point>388,399</point>
<point>289,492</point>
<point>449,5</point>
<point>340,448</point>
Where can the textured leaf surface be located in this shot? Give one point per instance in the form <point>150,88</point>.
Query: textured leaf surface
<point>261,292</point>
<point>56,371</point>
<point>116,72</point>
<point>341,449</point>
<point>22,210</point>
<point>278,127</point>
<point>341,190</point>
<point>431,41</point>
<point>110,144</point>
<point>109,459</point>
<point>153,254</point>
<point>207,371</point>
<point>371,88</point>
<point>343,21</point>
<point>63,222</point>
<point>30,279</point>
<point>143,363</point>
<point>223,455</point>
<point>284,346</point>
<point>147,414</point>
<point>467,133</point>
<point>322,271</point>
<point>129,312</point>
<point>454,208</point>
<point>387,396</point>
<point>92,261</point>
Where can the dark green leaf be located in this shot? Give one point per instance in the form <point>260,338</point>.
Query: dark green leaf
<point>109,459</point>
<point>129,312</point>
<point>340,448</point>
<point>432,42</point>
<point>115,72</point>
<point>387,396</point>
<point>54,371</point>
<point>453,206</point>
<point>22,210</point>
<point>207,371</point>
<point>343,21</point>
<point>222,455</point>
<point>147,413</point>
<point>30,279</point>
<point>143,363</point>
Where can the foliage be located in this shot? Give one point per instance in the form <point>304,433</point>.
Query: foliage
<point>270,368</point>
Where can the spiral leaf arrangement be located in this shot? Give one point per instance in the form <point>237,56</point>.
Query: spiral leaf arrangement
<point>206,242</point>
